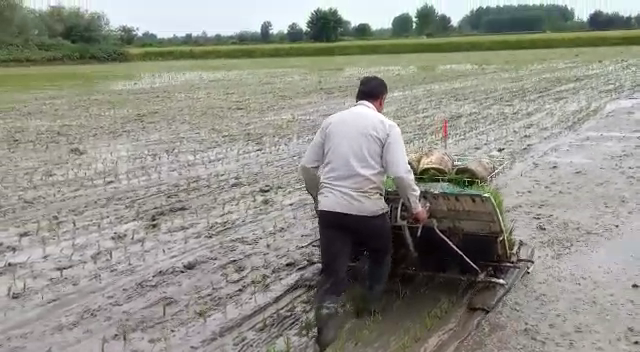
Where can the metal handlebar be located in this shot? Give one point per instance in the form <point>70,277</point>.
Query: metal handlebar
<point>405,228</point>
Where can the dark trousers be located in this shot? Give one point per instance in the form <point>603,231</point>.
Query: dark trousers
<point>340,234</point>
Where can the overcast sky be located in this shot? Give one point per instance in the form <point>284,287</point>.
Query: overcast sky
<point>166,17</point>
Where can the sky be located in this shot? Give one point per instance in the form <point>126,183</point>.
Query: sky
<point>166,18</point>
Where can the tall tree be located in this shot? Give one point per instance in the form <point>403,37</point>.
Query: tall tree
<point>265,31</point>
<point>147,39</point>
<point>127,34</point>
<point>598,20</point>
<point>443,23</point>
<point>325,25</point>
<point>402,25</point>
<point>9,13</point>
<point>248,37</point>
<point>346,30</point>
<point>517,18</point>
<point>76,25</point>
<point>295,33</point>
<point>187,39</point>
<point>520,22</point>
<point>426,18</point>
<point>363,30</point>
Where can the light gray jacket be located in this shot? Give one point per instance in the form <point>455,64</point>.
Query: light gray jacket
<point>346,163</point>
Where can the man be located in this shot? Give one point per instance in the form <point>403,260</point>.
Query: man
<point>344,170</point>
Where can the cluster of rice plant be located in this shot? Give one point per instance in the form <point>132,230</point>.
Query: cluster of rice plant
<point>462,184</point>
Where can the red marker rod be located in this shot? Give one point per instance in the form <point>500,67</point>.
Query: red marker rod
<point>445,132</point>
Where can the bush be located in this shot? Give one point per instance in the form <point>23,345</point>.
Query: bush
<point>408,46</point>
<point>60,51</point>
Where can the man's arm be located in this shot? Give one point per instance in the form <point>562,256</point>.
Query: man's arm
<point>311,162</point>
<point>396,165</point>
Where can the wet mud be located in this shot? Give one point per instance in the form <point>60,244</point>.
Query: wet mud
<point>576,200</point>
<point>169,216</point>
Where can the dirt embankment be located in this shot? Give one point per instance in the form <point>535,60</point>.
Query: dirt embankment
<point>166,213</point>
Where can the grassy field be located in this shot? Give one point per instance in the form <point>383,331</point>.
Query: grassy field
<point>156,206</point>
<point>402,46</point>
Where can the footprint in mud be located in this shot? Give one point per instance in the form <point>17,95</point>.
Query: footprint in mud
<point>155,218</point>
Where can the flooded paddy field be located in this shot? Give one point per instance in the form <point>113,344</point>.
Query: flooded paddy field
<point>157,206</point>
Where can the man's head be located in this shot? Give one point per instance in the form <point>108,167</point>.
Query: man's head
<point>374,90</point>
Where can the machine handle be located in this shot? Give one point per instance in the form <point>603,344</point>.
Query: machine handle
<point>403,215</point>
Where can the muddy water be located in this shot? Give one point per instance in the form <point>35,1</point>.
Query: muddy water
<point>576,200</point>
<point>166,213</point>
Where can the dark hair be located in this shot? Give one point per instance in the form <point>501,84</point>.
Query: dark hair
<point>371,88</point>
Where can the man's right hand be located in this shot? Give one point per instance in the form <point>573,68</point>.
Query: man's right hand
<point>421,215</point>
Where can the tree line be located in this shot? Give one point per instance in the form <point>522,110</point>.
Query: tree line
<point>328,25</point>
<point>63,27</point>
